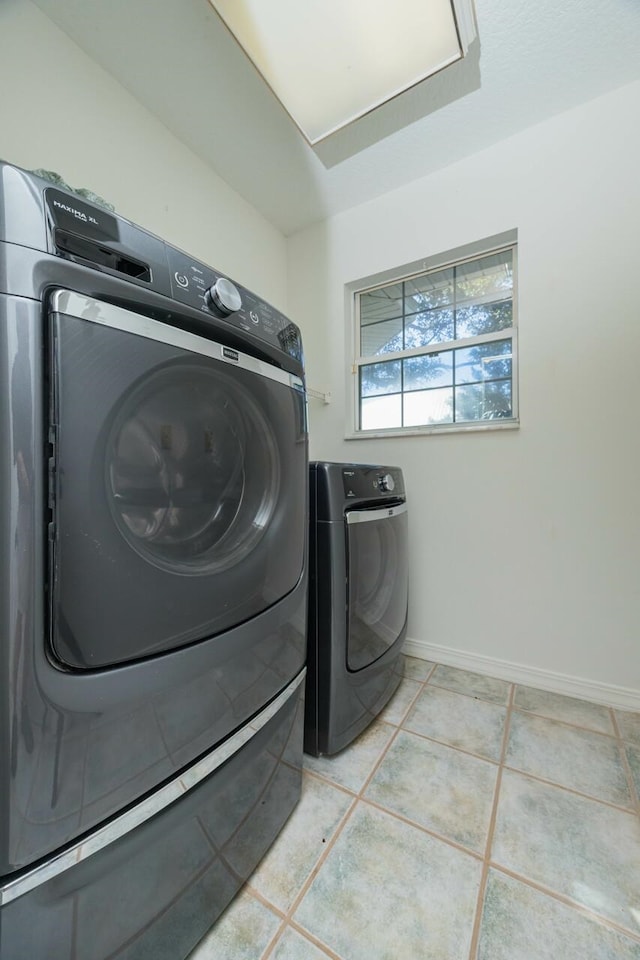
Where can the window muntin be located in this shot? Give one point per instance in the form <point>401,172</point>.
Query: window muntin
<point>438,348</point>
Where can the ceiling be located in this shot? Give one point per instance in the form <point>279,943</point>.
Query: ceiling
<point>530,62</point>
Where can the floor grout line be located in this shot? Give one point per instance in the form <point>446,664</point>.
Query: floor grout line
<point>571,790</point>
<point>477,922</point>
<point>315,940</point>
<point>255,893</point>
<point>564,723</point>
<point>295,903</point>
<point>469,695</point>
<point>275,939</point>
<point>421,686</point>
<point>434,667</point>
<point>451,746</point>
<point>475,854</point>
<point>631,783</point>
<point>317,775</point>
<point>378,763</point>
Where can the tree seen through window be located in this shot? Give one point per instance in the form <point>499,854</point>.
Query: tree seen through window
<point>445,346</point>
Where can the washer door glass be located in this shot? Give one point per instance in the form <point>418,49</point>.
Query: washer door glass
<point>178,491</point>
<point>178,482</point>
<point>377,566</point>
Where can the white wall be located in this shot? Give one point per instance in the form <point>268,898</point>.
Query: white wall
<point>525,544</point>
<point>62,112</point>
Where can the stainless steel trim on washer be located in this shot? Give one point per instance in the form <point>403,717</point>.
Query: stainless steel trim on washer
<point>108,315</point>
<point>148,808</point>
<point>364,516</point>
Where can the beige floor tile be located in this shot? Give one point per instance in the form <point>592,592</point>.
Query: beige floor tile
<point>388,890</point>
<point>578,847</point>
<point>578,759</point>
<point>520,923</point>
<point>417,669</point>
<point>582,713</point>
<point>459,721</point>
<point>473,684</point>
<point>633,756</point>
<point>629,725</point>
<point>440,788</point>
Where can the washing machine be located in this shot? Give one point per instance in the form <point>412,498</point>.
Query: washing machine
<point>358,594</point>
<point>153,582</point>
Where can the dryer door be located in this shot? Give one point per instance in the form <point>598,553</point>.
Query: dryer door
<point>177,489</point>
<point>377,574</point>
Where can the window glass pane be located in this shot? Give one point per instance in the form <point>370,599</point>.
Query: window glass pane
<point>433,326</point>
<point>428,406</point>
<point>479,318</point>
<point>484,401</point>
<point>379,412</point>
<point>437,316</point>
<point>433,290</point>
<point>432,370</point>
<point>377,378</point>
<point>486,279</point>
<point>382,304</point>
<point>382,337</point>
<point>486,361</point>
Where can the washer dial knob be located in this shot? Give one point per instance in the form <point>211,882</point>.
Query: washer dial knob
<point>223,298</point>
<point>386,482</point>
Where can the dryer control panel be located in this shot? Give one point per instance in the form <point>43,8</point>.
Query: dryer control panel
<point>364,481</point>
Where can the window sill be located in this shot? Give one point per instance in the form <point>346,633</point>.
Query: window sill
<point>436,428</point>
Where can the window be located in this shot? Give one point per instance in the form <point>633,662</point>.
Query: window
<point>437,349</point>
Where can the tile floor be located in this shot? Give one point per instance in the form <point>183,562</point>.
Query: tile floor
<point>474,820</point>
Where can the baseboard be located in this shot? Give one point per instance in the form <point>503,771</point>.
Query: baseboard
<point>623,698</point>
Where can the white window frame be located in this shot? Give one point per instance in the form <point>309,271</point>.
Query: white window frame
<point>490,245</point>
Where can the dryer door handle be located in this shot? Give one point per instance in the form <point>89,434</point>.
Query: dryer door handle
<point>366,516</point>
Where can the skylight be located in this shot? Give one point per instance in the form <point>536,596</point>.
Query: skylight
<point>330,62</point>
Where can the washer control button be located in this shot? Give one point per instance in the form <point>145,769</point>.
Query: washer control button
<point>181,280</point>
<point>223,298</point>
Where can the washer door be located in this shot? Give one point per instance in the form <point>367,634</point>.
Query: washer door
<point>177,486</point>
<point>377,573</point>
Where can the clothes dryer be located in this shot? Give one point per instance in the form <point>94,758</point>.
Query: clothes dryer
<point>153,479</point>
<point>358,594</point>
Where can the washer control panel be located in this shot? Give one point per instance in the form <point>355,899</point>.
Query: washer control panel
<point>201,287</point>
<point>365,482</point>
